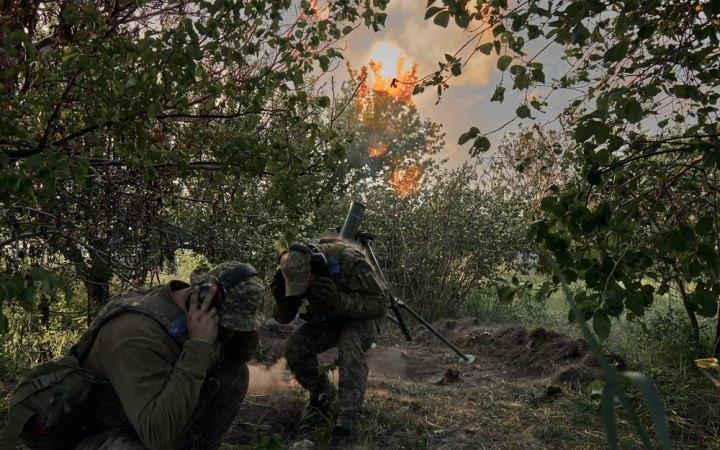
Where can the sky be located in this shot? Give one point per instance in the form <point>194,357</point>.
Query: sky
<point>467,103</point>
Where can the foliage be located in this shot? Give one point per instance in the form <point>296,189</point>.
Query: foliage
<point>644,130</point>
<point>438,246</point>
<point>527,164</point>
<point>118,117</point>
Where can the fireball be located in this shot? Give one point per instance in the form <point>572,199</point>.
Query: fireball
<point>406,182</point>
<point>377,149</point>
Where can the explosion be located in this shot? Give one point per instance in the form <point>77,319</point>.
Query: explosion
<point>400,87</point>
<point>406,182</point>
<point>377,149</point>
<point>378,98</point>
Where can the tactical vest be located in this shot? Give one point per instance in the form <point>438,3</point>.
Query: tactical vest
<point>47,407</point>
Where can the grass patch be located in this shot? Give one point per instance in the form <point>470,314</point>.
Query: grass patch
<point>657,344</point>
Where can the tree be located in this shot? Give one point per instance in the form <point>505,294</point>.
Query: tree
<point>644,130</point>
<point>438,246</point>
<point>527,164</point>
<point>116,114</point>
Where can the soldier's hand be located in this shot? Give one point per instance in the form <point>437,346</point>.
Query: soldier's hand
<point>277,286</point>
<point>326,291</point>
<point>202,321</point>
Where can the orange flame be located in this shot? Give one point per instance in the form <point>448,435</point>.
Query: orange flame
<point>406,182</point>
<point>399,87</point>
<point>377,149</point>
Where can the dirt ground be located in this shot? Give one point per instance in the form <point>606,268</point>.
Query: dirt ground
<point>527,388</point>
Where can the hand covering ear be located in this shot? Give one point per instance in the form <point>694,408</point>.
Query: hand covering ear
<point>325,290</point>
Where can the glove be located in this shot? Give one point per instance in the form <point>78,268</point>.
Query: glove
<point>325,290</point>
<point>277,286</point>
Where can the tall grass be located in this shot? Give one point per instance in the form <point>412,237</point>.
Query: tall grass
<point>658,344</point>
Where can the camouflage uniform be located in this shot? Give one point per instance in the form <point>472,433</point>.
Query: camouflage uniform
<point>351,324</point>
<point>162,390</point>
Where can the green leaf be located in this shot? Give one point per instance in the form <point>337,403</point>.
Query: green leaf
<point>442,19</point>
<point>635,303</point>
<point>601,325</point>
<point>481,144</point>
<point>707,302</point>
<point>607,408</point>
<point>472,133</point>
<point>538,75</point>
<point>324,63</point>
<point>498,29</point>
<point>504,62</point>
<point>324,101</point>
<point>486,48</point>
<point>653,403</point>
<point>506,294</point>
<point>432,11</point>
<point>617,52</point>
<point>154,109</point>
<point>3,323</point>
<point>594,176</point>
<point>498,95</point>
<point>613,300</point>
<point>553,205</point>
<point>523,111</point>
<point>632,111</point>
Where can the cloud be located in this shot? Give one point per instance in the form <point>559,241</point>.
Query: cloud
<point>409,35</point>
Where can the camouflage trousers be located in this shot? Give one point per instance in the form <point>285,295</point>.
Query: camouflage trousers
<point>220,398</point>
<point>352,339</point>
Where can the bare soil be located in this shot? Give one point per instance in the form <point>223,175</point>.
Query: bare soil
<point>514,395</point>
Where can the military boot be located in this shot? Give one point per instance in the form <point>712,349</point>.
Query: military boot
<point>318,410</point>
<point>345,431</point>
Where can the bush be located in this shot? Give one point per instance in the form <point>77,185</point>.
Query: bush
<point>436,247</point>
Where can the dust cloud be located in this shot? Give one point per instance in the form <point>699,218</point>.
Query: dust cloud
<point>273,378</point>
<point>387,361</point>
<point>276,377</point>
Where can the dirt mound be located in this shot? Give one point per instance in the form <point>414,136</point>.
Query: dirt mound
<point>451,328</point>
<point>535,353</point>
<point>516,352</point>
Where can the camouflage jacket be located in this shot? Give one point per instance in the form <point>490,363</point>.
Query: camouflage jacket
<point>363,296</point>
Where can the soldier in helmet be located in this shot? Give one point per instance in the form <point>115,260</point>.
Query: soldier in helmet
<point>345,303</point>
<point>174,361</point>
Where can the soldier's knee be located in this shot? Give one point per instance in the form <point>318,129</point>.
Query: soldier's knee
<point>354,342</point>
<point>295,354</point>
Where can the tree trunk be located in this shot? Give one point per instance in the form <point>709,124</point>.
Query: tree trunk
<point>95,275</point>
<point>44,308</point>
<point>46,350</point>
<point>97,288</point>
<point>716,349</point>
<point>691,314</point>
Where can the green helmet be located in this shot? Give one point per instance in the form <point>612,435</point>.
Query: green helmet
<point>241,309</point>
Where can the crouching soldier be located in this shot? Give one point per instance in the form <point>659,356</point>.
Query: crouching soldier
<point>163,369</point>
<point>346,302</point>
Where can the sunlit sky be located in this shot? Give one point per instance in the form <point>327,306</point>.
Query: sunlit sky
<point>467,103</point>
